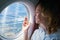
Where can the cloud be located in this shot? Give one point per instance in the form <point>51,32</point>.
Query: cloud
<point>20,18</point>
<point>5,29</point>
<point>10,35</point>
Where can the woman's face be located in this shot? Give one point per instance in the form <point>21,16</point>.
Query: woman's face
<point>38,14</point>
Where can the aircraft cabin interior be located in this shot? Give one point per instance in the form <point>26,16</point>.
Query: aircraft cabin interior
<point>12,15</point>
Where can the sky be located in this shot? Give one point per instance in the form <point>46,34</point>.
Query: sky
<point>11,19</point>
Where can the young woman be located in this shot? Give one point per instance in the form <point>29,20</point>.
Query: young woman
<point>47,21</point>
<point>47,24</point>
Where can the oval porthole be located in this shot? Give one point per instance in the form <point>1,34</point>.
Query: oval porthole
<point>11,19</point>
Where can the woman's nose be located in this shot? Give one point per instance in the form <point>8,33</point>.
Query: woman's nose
<point>37,14</point>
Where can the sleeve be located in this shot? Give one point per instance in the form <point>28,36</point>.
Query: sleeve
<point>52,37</point>
<point>34,35</point>
<point>38,34</point>
<point>56,37</point>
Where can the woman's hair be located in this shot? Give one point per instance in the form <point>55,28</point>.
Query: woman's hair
<point>49,13</point>
<point>50,20</point>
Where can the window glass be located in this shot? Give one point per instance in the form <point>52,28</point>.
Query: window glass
<point>11,19</point>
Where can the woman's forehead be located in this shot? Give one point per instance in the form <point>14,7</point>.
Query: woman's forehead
<point>38,8</point>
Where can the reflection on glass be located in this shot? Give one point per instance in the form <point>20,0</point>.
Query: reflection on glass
<point>11,19</point>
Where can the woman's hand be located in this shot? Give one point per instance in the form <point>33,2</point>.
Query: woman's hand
<point>25,24</point>
<point>25,27</point>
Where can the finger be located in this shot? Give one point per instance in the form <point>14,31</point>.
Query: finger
<point>26,21</point>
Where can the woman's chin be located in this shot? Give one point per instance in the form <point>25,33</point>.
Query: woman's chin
<point>37,22</point>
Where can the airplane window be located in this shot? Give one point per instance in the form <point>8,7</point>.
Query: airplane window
<point>11,19</point>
